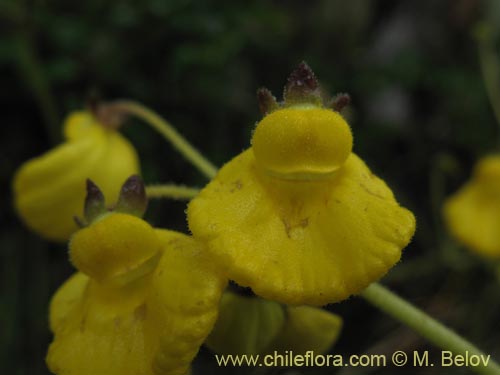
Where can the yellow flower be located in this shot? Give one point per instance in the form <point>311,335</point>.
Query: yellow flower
<point>143,302</point>
<point>252,325</point>
<point>298,217</point>
<point>473,213</point>
<point>49,189</point>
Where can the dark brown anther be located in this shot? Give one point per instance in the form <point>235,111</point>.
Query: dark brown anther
<point>340,101</point>
<point>302,86</point>
<point>132,198</point>
<point>94,202</point>
<point>267,102</point>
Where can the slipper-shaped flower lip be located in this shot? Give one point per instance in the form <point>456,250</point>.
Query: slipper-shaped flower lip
<point>48,190</point>
<point>153,325</point>
<point>144,299</point>
<point>302,143</point>
<point>308,224</point>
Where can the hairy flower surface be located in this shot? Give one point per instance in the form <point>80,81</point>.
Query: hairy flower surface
<point>472,214</point>
<point>252,325</point>
<point>144,300</point>
<point>153,324</point>
<point>49,189</point>
<point>298,217</point>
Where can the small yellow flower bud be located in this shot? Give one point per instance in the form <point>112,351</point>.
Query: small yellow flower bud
<point>298,217</point>
<point>49,190</point>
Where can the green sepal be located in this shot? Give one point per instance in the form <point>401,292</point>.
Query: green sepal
<point>306,329</point>
<point>246,325</point>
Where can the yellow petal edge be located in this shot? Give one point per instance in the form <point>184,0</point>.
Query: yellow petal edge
<point>301,242</point>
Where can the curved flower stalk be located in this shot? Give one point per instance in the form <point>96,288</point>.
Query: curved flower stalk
<point>143,301</point>
<point>298,217</point>
<point>252,325</point>
<point>472,214</point>
<point>49,189</point>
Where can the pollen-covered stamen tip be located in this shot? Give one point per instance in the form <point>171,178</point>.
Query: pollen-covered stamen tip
<point>302,86</point>
<point>132,199</point>
<point>267,102</point>
<point>340,101</point>
<point>94,202</point>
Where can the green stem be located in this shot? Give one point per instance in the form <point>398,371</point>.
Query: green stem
<point>428,327</point>
<point>171,191</point>
<point>170,134</point>
<point>376,294</point>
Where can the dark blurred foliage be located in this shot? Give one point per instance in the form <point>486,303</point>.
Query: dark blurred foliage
<point>420,117</point>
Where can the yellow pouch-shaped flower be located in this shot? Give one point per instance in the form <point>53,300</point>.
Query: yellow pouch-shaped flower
<point>49,189</point>
<point>473,213</point>
<point>304,225</point>
<point>154,325</point>
<point>143,303</point>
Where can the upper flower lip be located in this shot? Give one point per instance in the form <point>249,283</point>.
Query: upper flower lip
<point>302,143</point>
<point>118,248</point>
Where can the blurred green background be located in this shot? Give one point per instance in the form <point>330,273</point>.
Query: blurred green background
<point>420,115</point>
